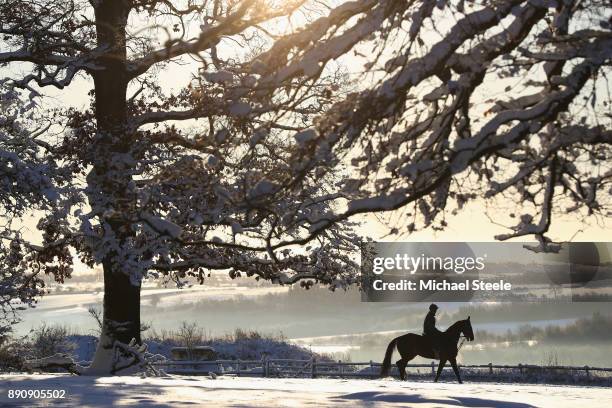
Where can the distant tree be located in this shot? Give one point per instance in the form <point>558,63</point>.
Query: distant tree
<point>258,164</point>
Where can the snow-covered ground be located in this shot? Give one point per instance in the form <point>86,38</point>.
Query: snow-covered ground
<point>182,391</point>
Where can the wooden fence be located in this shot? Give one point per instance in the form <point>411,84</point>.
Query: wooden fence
<point>312,368</point>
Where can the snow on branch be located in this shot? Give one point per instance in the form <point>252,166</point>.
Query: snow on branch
<point>263,161</point>
<point>54,362</point>
<point>247,14</point>
<point>131,355</point>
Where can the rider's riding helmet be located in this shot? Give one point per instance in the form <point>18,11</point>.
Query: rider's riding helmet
<point>433,307</point>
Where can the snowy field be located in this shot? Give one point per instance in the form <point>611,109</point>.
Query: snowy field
<point>182,391</point>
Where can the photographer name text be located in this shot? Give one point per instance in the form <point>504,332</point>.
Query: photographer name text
<point>441,285</point>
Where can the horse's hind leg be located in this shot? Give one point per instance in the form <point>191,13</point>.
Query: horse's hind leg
<point>456,370</point>
<point>401,366</point>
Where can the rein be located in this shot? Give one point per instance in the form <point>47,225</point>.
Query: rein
<point>463,338</point>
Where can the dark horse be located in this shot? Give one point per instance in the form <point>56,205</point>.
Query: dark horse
<point>411,345</point>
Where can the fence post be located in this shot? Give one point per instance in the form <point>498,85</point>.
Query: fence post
<point>341,368</point>
<point>238,369</point>
<point>433,368</point>
<point>586,368</point>
<point>521,368</point>
<point>491,368</point>
<point>265,366</point>
<point>372,369</point>
<point>313,367</point>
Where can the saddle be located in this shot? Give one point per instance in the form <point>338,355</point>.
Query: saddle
<point>435,340</point>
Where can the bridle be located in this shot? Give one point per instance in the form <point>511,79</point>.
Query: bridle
<point>463,338</point>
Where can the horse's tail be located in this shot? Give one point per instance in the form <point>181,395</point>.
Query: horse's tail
<point>386,365</point>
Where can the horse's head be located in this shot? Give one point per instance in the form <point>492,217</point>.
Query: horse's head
<point>466,329</point>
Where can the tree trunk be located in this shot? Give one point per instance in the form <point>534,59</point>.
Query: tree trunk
<point>109,185</point>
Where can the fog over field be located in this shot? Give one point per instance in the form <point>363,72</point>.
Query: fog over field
<point>339,324</point>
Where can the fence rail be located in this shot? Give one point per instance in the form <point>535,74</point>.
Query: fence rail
<point>313,368</point>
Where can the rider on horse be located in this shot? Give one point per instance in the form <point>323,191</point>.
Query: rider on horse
<point>430,330</point>
<point>443,345</point>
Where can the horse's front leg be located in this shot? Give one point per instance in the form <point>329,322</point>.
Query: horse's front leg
<point>456,370</point>
<point>440,367</point>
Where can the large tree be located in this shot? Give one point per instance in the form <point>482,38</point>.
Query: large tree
<point>299,115</point>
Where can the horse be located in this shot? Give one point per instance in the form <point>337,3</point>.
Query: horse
<point>411,345</point>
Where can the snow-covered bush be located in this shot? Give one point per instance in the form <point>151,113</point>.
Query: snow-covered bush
<point>44,342</point>
<point>48,340</point>
<point>242,344</point>
<point>13,352</point>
